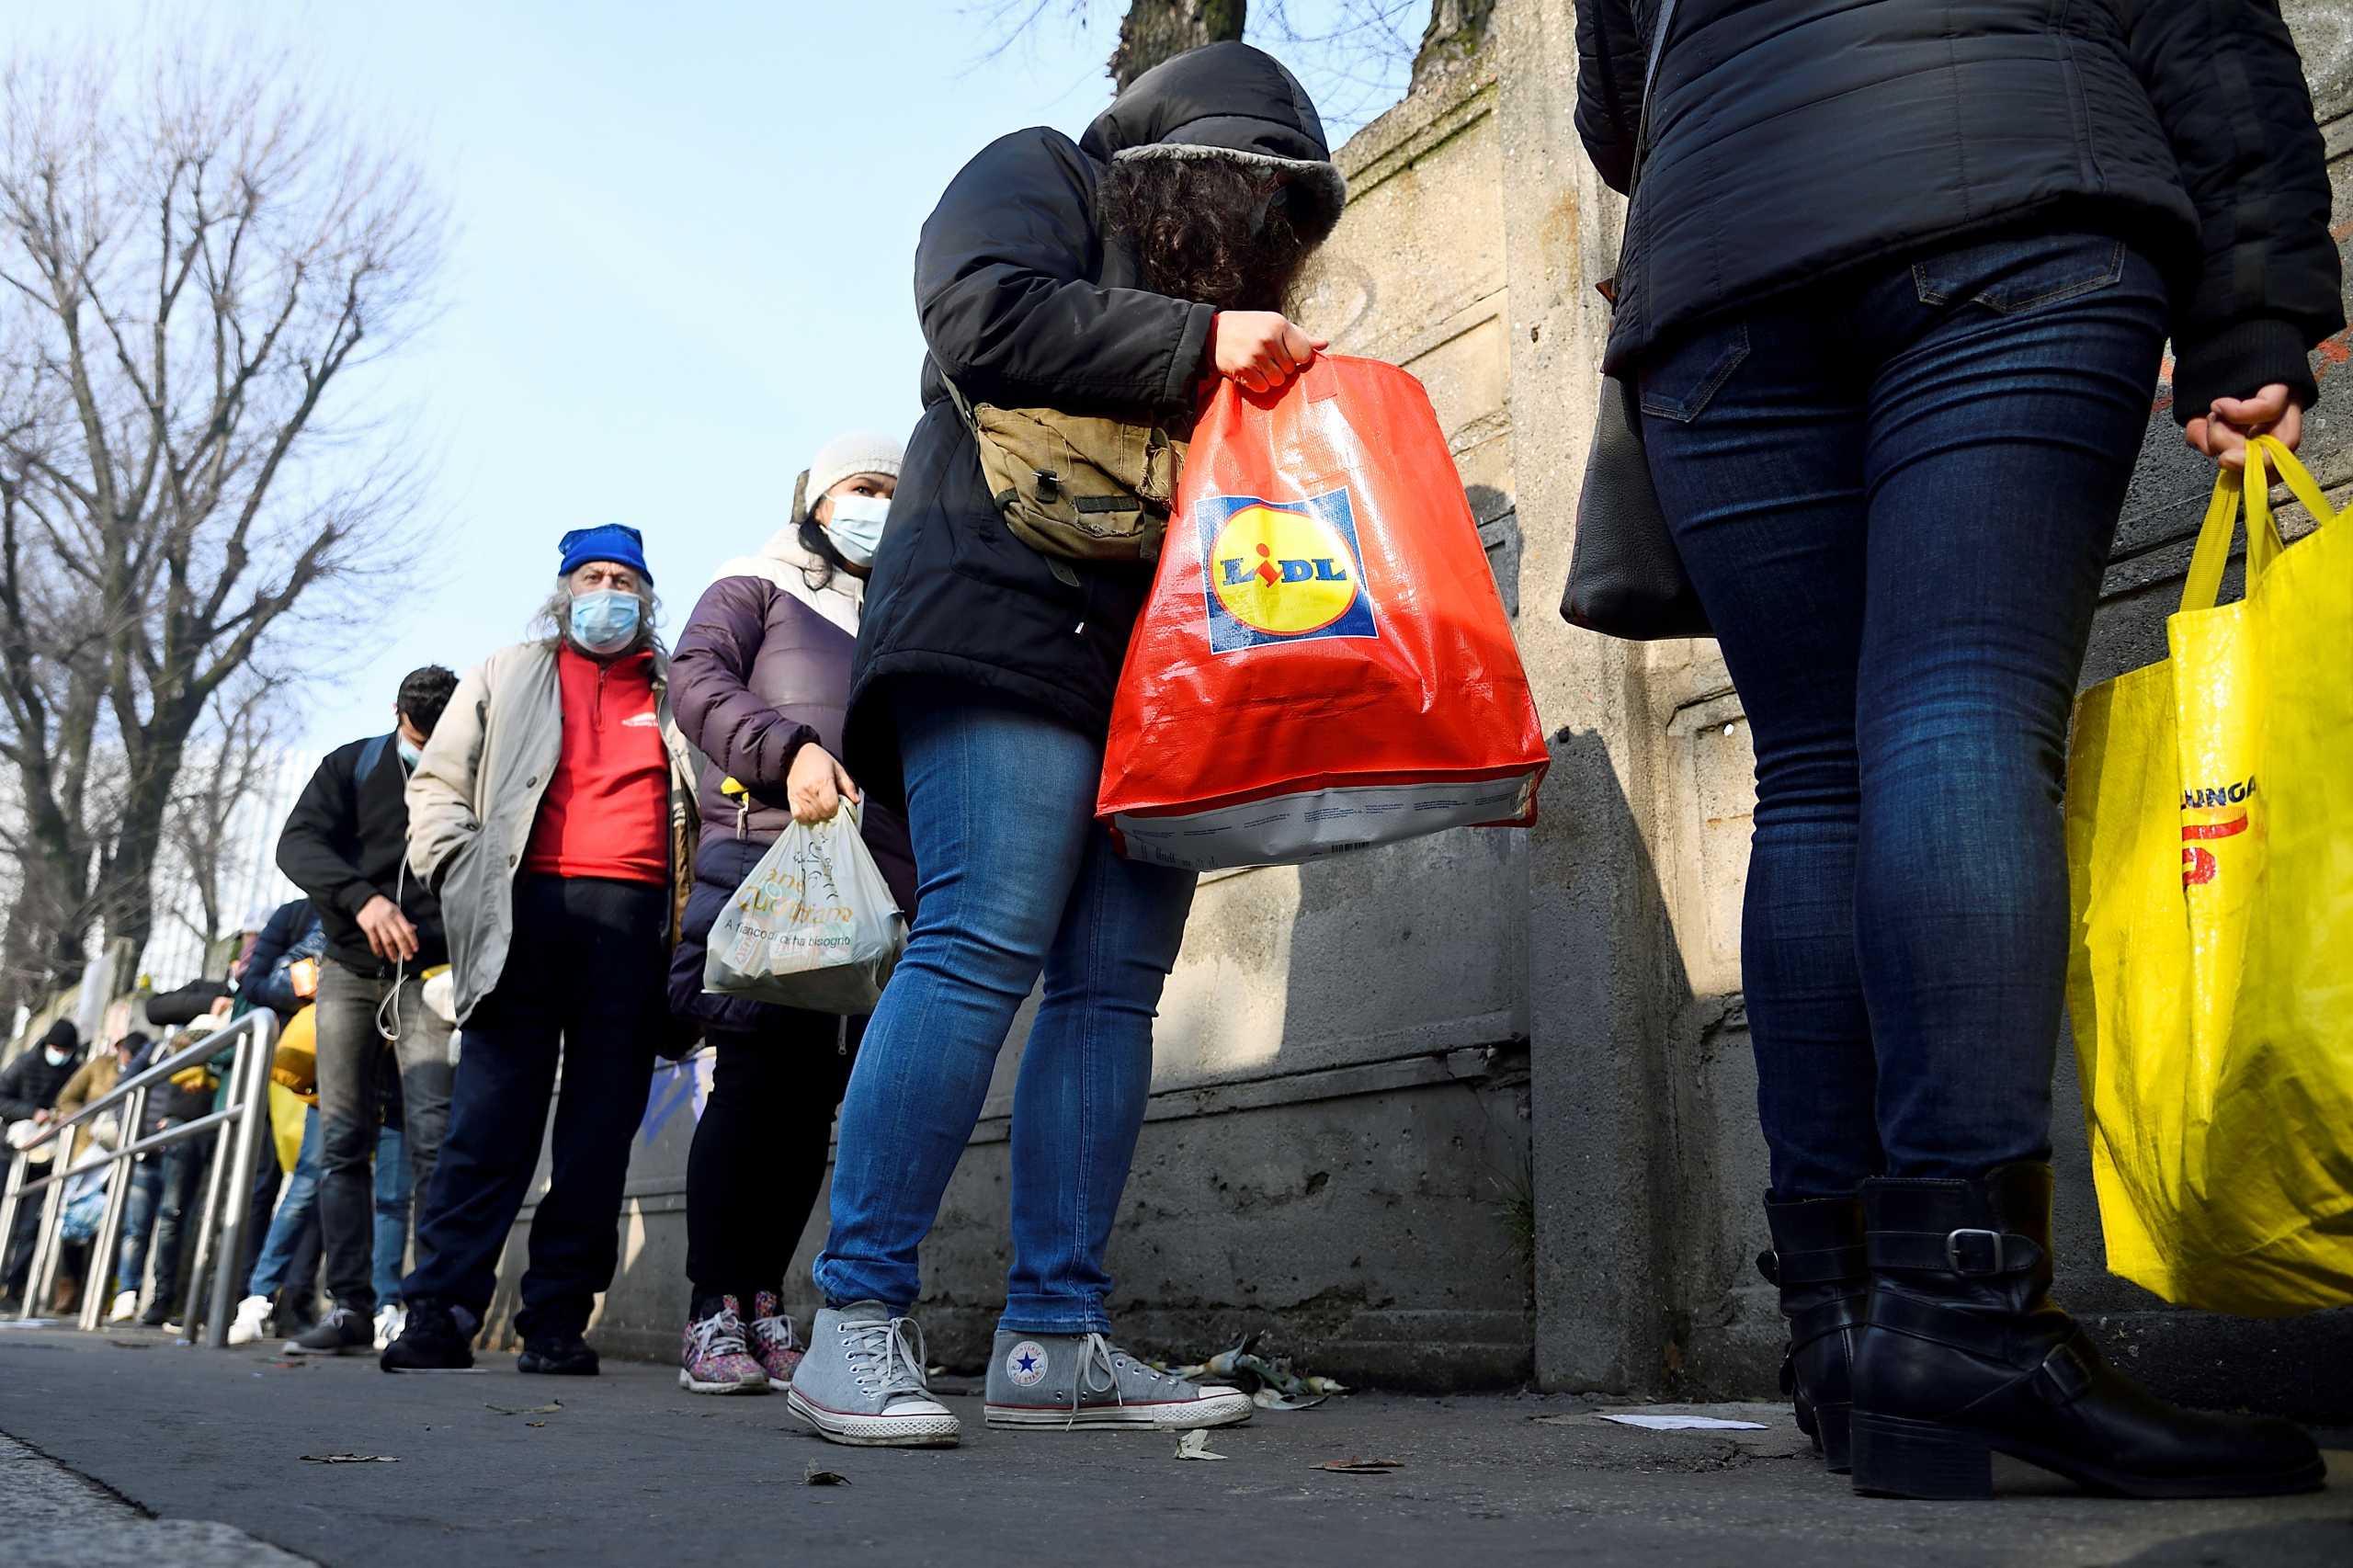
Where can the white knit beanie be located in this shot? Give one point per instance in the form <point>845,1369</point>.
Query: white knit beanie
<point>860,452</point>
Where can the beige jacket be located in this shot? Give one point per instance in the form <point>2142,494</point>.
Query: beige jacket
<point>475,793</point>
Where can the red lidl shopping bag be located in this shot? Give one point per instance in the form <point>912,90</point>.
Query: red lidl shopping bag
<point>1324,661</point>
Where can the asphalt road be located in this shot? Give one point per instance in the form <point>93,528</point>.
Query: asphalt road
<point>118,1436</point>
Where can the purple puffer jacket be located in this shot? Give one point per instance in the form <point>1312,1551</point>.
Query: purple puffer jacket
<point>761,670</point>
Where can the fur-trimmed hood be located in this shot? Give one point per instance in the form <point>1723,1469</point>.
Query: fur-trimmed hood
<point>1227,100</point>
<point>784,561</point>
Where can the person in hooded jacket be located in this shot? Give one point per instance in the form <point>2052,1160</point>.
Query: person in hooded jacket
<point>759,680</point>
<point>1117,275</point>
<point>1897,280</point>
<point>30,1086</point>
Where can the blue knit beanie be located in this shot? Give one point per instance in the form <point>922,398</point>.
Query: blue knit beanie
<point>615,542</point>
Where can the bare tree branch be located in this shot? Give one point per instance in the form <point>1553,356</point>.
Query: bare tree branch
<point>195,272</point>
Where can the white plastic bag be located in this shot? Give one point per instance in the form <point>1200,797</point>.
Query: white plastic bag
<point>814,926</point>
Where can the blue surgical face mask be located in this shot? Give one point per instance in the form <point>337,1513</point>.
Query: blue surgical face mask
<point>57,1058</point>
<point>605,622</point>
<point>410,755</point>
<point>857,527</point>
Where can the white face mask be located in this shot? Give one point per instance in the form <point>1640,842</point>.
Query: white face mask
<point>57,1058</point>
<point>856,527</point>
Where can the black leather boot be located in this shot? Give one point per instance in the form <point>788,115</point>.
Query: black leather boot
<point>1817,1260</point>
<point>1965,1354</point>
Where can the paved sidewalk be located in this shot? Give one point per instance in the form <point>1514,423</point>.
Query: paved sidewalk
<point>631,1469</point>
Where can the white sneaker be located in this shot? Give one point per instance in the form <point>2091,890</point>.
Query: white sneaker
<point>251,1322</point>
<point>125,1308</point>
<point>390,1318</point>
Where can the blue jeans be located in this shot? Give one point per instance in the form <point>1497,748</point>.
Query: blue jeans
<point>1895,495</point>
<point>393,1184</point>
<point>1017,880</point>
<point>299,1204</point>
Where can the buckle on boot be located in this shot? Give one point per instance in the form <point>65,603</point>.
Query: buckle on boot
<point>1974,1252</point>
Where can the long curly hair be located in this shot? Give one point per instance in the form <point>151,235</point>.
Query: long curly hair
<point>1212,229</point>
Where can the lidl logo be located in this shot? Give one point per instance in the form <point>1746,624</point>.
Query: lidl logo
<point>1281,571</point>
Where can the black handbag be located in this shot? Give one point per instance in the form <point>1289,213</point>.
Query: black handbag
<point>1625,578</point>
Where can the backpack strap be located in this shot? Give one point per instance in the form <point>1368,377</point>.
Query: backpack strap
<point>371,755</point>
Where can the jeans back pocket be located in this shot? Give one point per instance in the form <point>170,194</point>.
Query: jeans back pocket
<point>2019,272</point>
<point>1679,379</point>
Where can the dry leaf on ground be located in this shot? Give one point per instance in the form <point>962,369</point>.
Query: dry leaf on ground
<point>1361,1467</point>
<point>351,1459</point>
<point>816,1477</point>
<point>525,1410</point>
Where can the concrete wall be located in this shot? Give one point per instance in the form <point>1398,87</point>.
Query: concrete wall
<point>1481,1107</point>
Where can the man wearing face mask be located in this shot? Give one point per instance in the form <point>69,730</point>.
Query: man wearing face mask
<point>30,1086</point>
<point>548,813</point>
<point>343,845</point>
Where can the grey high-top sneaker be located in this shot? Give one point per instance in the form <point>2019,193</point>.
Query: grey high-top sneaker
<point>1072,1381</point>
<point>862,1382</point>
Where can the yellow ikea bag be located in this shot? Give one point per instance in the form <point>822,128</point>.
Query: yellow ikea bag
<point>2209,857</point>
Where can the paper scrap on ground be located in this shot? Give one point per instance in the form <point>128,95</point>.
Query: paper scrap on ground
<point>1686,1424</point>
<point>1267,1398</point>
<point>1194,1445</point>
<point>351,1459</point>
<point>1361,1467</point>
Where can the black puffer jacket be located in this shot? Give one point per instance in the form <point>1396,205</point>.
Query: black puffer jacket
<point>1023,302</point>
<point>1793,138</point>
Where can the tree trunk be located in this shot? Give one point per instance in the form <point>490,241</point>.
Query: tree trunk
<point>1154,31</point>
<point>126,893</point>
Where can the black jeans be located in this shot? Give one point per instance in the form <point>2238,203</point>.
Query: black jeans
<point>1896,495</point>
<point>166,1190</point>
<point>584,982</point>
<point>759,1151</point>
<point>351,1049</point>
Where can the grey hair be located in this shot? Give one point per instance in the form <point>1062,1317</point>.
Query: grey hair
<point>555,616</point>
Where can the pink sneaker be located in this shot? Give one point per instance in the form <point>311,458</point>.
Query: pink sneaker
<point>714,1357</point>
<point>773,1344</point>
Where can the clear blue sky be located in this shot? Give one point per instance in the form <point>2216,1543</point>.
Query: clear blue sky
<point>681,262</point>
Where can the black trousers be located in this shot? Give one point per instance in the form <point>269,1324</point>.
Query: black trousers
<point>582,985</point>
<point>759,1151</point>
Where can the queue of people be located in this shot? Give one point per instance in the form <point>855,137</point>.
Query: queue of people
<point>1908,399</point>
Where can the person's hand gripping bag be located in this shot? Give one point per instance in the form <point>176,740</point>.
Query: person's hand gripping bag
<point>1324,662</point>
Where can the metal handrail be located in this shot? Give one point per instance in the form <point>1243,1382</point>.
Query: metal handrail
<point>209,1045</point>
<point>238,1127</point>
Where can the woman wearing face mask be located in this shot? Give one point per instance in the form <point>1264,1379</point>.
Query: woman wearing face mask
<point>549,814</point>
<point>760,678</point>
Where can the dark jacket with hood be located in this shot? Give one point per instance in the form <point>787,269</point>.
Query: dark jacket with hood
<point>345,842</point>
<point>1790,139</point>
<point>29,1083</point>
<point>1024,302</point>
<point>294,932</point>
<point>762,670</point>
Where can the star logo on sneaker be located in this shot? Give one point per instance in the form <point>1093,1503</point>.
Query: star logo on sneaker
<point>1026,1365</point>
